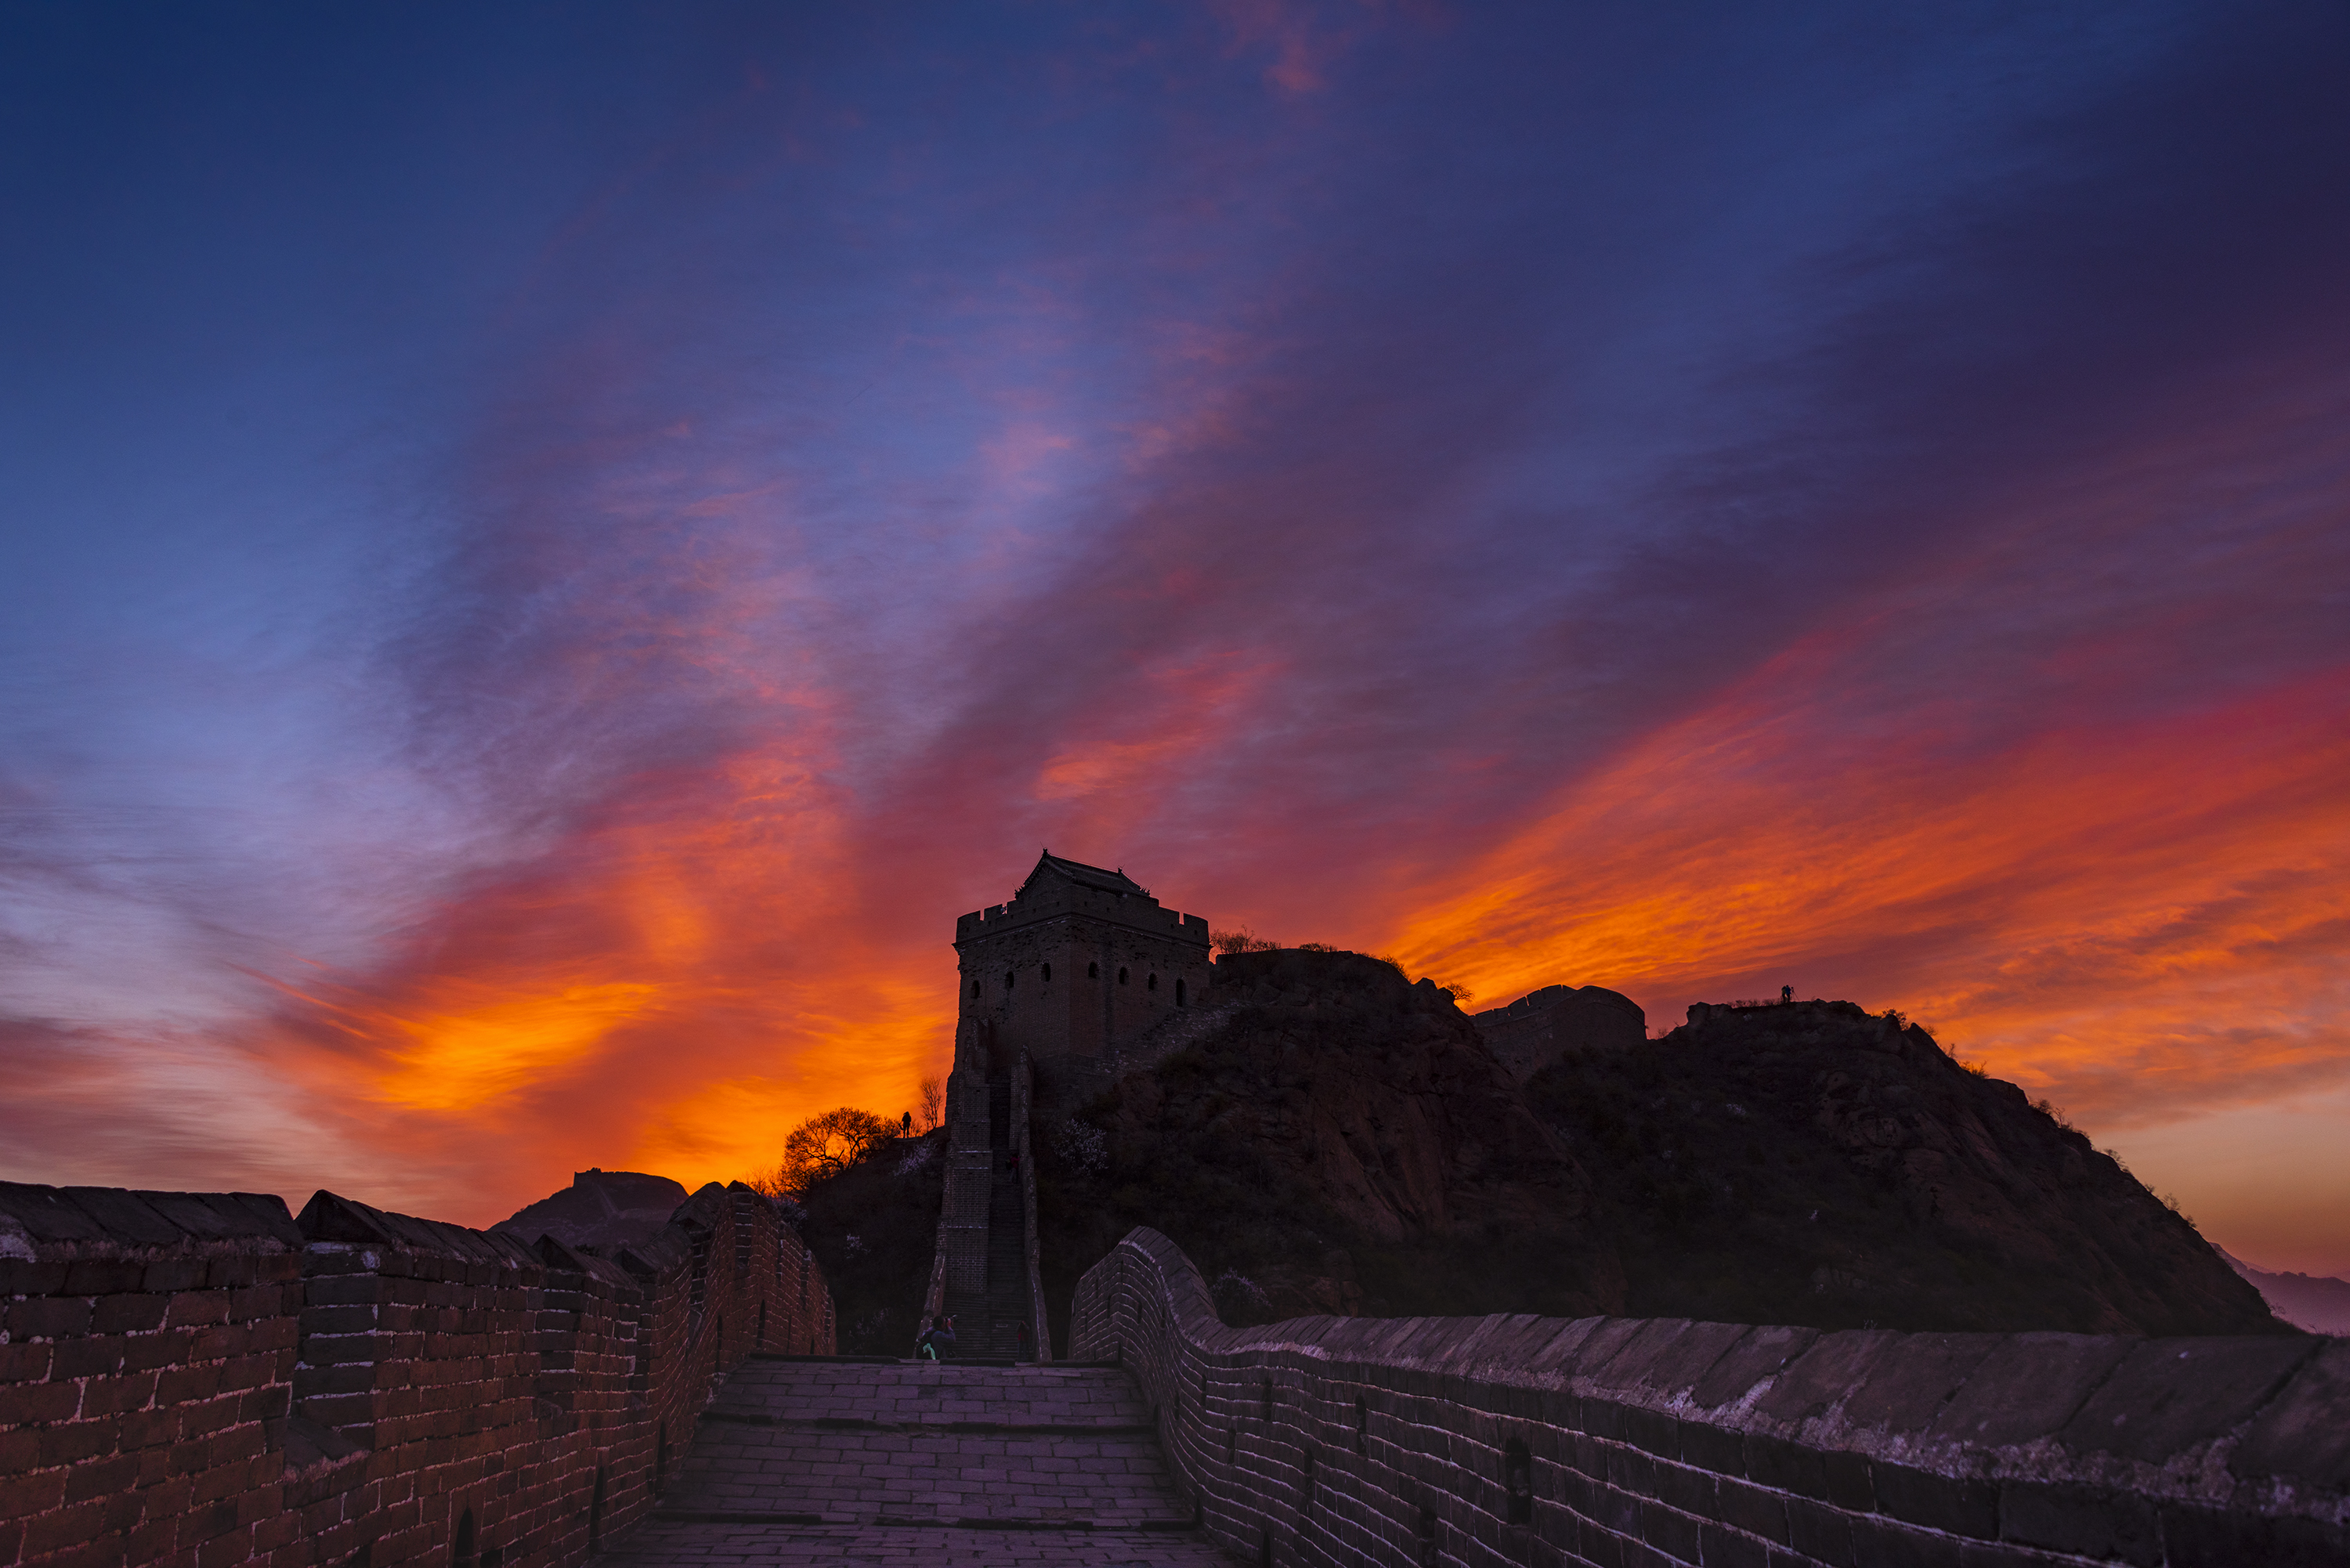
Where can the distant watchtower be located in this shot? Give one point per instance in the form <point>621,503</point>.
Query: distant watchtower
<point>1078,965</point>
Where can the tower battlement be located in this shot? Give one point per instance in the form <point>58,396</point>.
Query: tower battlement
<point>1069,972</point>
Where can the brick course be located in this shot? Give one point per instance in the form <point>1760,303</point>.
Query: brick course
<point>199,1380</point>
<point>1334,1442</point>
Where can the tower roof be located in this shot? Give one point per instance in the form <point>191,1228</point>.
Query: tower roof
<point>1083,875</point>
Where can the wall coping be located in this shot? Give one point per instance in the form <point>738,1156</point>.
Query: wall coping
<point>2257,1423</point>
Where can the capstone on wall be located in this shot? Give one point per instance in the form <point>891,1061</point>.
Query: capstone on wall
<point>1539,1443</point>
<point>202,1380</point>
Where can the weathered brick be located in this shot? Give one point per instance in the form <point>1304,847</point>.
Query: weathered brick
<point>166,1276</point>
<point>1963,1507</point>
<point>2090,1523</point>
<point>127,1314</point>
<point>231,1271</point>
<point>1721,1548</point>
<point>101,1477</point>
<point>26,1277</point>
<point>194,1308</point>
<point>61,1528</point>
<point>102,1276</point>
<point>1757,1511</point>
<point>1820,1533</point>
<point>155,1352</point>
<point>35,1403</point>
<point>1885,1544</point>
<point>2207,1538</point>
<point>25,1363</point>
<point>25,1495</point>
<point>113,1395</point>
<point>47,1317</point>
<point>95,1356</point>
<point>1786,1466</point>
<point>260,1300</point>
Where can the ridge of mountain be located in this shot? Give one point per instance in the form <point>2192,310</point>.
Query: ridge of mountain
<point>1342,1141</point>
<point>2318,1303</point>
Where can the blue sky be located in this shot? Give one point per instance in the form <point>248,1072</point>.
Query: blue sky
<point>552,550</point>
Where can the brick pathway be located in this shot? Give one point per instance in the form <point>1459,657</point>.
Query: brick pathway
<point>827,1461</point>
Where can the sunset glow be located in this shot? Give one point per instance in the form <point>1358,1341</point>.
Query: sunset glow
<point>553,558</point>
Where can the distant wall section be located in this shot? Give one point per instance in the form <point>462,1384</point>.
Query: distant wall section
<point>1531,1031</point>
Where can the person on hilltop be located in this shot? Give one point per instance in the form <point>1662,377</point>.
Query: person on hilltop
<point>1787,993</point>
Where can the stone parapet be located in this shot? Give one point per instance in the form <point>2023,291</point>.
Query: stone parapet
<point>1533,1441</point>
<point>200,1380</point>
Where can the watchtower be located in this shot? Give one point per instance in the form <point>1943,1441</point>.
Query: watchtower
<point>1080,964</point>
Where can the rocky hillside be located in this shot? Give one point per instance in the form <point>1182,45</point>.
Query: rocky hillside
<point>1342,1140</point>
<point>1810,1163</point>
<point>874,1228</point>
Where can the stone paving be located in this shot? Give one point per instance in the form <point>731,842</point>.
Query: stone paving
<point>829,1461</point>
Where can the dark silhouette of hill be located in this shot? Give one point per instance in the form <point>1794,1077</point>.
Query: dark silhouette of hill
<point>2318,1303</point>
<point>605,1208</point>
<point>1342,1141</point>
<point>874,1229</point>
<point>1809,1162</point>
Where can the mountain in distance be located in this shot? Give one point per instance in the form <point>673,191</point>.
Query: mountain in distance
<point>2318,1303</point>
<point>604,1208</point>
<point>1339,1139</point>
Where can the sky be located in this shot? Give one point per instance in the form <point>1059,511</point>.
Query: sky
<point>550,551</point>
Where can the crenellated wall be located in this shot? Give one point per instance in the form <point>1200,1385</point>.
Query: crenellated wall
<point>1535,1442</point>
<point>202,1380</point>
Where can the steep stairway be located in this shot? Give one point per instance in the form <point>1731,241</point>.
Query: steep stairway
<point>987,1323</point>
<point>806,1460</point>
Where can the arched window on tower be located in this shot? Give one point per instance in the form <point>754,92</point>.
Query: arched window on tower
<point>1048,974</point>
<point>1093,972</point>
<point>1009,975</point>
<point>1180,994</point>
<point>1150,984</point>
<point>1121,977</point>
<point>974,988</point>
<point>461,1552</point>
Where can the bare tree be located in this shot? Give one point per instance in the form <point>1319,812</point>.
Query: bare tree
<point>829,1144</point>
<point>932,1109</point>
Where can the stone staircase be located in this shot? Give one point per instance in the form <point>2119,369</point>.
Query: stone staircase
<point>807,1461</point>
<point>987,1324</point>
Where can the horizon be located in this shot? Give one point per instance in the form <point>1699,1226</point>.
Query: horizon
<point>552,556</point>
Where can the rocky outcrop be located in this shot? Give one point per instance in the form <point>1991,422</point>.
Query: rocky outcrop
<point>1342,1141</point>
<point>600,1209</point>
<point>1811,1162</point>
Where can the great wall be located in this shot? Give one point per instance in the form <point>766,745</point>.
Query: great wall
<point>207,1380</point>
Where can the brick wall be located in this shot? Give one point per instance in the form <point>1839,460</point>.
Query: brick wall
<point>1540,1441</point>
<point>200,1380</point>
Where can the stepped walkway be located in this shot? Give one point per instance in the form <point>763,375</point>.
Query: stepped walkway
<point>987,1323</point>
<point>806,1460</point>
